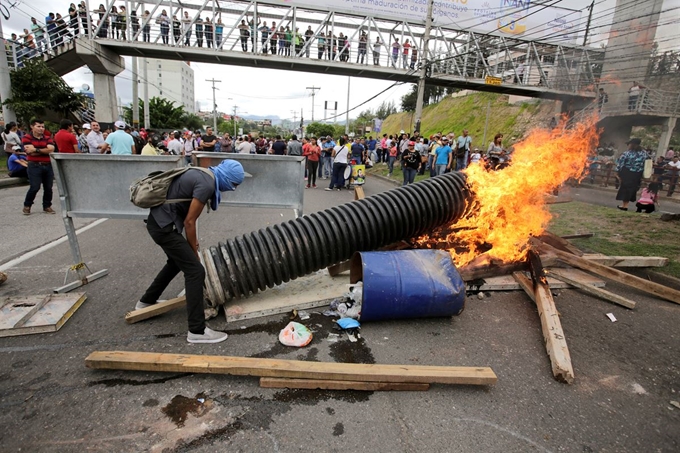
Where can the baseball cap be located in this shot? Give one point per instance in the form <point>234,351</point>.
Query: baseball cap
<point>445,139</point>
<point>87,126</point>
<point>119,124</point>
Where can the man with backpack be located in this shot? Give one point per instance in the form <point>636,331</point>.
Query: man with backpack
<point>186,197</point>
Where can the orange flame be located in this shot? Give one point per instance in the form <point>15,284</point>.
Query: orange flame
<point>509,205</point>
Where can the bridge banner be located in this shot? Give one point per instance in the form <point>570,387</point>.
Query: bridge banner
<point>522,19</point>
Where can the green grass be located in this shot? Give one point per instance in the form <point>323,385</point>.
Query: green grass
<point>619,233</point>
<point>3,165</point>
<point>397,175</point>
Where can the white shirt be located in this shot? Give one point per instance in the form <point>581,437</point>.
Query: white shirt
<point>476,157</point>
<point>244,148</point>
<point>674,164</point>
<point>189,146</point>
<point>175,147</point>
<point>94,139</point>
<point>341,154</point>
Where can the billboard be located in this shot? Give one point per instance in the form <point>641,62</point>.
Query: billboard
<point>522,19</point>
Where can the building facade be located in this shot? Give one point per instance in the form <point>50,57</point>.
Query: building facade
<point>172,80</point>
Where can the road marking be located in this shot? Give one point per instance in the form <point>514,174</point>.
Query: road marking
<point>48,246</point>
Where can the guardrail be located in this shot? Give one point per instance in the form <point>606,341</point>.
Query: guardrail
<point>271,181</point>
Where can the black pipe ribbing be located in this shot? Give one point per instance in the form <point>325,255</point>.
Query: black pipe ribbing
<point>274,255</point>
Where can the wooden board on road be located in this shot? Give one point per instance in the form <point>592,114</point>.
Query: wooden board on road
<point>327,384</point>
<point>247,366</point>
<point>37,314</point>
<point>508,283</point>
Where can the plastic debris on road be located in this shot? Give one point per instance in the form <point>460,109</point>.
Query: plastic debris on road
<point>348,323</point>
<point>611,317</point>
<point>295,334</point>
<point>349,305</point>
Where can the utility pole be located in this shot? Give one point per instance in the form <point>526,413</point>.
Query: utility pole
<point>233,117</point>
<point>347,116</point>
<point>294,113</point>
<point>213,81</point>
<point>135,94</point>
<point>145,90</point>
<point>590,16</point>
<point>5,82</point>
<point>313,88</point>
<point>423,65</point>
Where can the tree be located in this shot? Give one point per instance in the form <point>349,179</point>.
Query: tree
<point>37,91</point>
<point>163,114</point>
<point>432,95</point>
<point>320,130</point>
<point>385,109</point>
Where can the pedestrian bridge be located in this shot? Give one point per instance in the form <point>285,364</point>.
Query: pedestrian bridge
<point>234,33</point>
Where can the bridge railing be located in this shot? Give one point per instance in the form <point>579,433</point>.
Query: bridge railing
<point>451,52</point>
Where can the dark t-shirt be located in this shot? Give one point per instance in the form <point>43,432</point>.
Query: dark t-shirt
<point>193,183</point>
<point>411,159</point>
<point>207,139</point>
<point>357,151</point>
<point>279,147</point>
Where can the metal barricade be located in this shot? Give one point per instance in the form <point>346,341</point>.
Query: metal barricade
<point>271,181</point>
<point>98,186</point>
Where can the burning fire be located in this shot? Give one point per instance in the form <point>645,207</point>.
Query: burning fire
<point>509,205</point>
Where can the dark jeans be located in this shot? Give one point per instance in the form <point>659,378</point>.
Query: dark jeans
<point>39,174</point>
<point>312,168</point>
<point>20,173</point>
<point>648,208</point>
<point>338,179</point>
<point>409,175</point>
<point>180,258</point>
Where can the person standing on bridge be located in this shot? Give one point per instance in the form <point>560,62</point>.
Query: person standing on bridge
<point>199,31</point>
<point>376,51</point>
<point>164,21</point>
<point>309,34</point>
<point>404,55</point>
<point>321,45</point>
<point>165,225</point>
<point>73,19</point>
<point>83,16</point>
<point>244,33</point>
<point>395,52</point>
<point>39,35</point>
<point>176,29</point>
<point>363,42</point>
<point>146,30</point>
<point>219,31</point>
<point>208,29</point>
<point>264,34</point>
<point>186,28</point>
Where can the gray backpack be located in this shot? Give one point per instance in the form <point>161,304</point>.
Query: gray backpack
<point>152,190</point>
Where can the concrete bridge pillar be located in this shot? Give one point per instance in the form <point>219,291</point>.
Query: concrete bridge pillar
<point>105,65</point>
<point>665,137</point>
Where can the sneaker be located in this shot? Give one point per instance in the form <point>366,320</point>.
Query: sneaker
<point>209,336</point>
<point>314,186</point>
<point>305,178</point>
<point>49,211</point>
<point>140,305</point>
<point>26,210</point>
<point>307,187</point>
<point>328,189</point>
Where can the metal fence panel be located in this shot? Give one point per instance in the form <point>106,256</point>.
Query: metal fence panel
<point>271,181</point>
<point>98,186</point>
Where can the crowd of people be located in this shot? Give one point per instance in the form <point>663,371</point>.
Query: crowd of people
<point>188,30</point>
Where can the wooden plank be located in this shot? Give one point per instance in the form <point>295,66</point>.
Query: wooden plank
<point>323,384</point>
<point>560,243</point>
<point>134,316</point>
<point>247,366</point>
<point>577,236</point>
<point>641,284</point>
<point>359,193</point>
<point>598,292</point>
<point>476,271</point>
<point>339,268</point>
<point>508,283</point>
<point>555,341</point>
<point>49,318</point>
<point>627,261</point>
<point>32,311</point>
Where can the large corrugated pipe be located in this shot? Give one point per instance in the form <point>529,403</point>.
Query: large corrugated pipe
<point>280,253</point>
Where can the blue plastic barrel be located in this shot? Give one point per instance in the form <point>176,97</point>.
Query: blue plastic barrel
<point>407,284</point>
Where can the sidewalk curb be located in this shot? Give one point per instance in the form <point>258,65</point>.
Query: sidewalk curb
<point>11,182</point>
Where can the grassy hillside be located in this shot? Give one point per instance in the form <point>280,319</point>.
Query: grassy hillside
<point>469,112</point>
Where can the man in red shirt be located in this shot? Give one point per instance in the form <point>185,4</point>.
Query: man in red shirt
<point>38,147</point>
<point>65,139</point>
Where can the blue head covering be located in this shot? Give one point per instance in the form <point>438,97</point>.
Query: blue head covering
<point>228,174</point>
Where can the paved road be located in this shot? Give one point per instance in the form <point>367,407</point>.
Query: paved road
<point>627,372</point>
